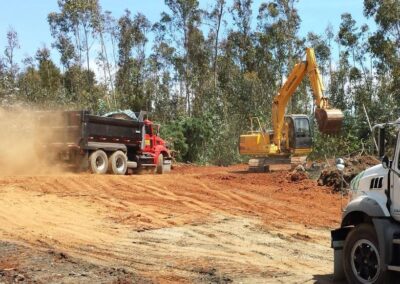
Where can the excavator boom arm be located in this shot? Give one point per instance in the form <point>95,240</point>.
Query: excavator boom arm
<point>283,97</point>
<point>315,79</point>
<point>329,120</point>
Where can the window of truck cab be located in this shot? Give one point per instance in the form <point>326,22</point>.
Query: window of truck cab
<point>302,127</point>
<point>148,129</point>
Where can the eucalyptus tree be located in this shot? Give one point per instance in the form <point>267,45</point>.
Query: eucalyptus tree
<point>280,21</point>
<point>9,52</point>
<point>77,18</point>
<point>185,17</point>
<point>49,73</point>
<point>385,41</point>
<point>132,40</point>
<point>216,16</point>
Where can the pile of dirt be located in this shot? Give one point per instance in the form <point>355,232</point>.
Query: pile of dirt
<point>298,174</point>
<point>331,177</point>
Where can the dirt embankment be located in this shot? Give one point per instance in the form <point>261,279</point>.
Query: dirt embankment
<point>197,224</point>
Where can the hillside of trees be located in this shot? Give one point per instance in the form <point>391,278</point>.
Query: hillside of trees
<point>203,73</point>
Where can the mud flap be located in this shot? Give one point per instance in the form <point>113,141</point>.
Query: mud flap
<point>167,166</point>
<point>338,238</point>
<point>338,269</point>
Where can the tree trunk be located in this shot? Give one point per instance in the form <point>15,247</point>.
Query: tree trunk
<point>186,71</point>
<point>219,19</point>
<point>107,66</point>
<point>87,57</point>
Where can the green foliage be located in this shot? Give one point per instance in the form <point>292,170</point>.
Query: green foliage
<point>355,138</point>
<point>189,138</point>
<point>173,133</point>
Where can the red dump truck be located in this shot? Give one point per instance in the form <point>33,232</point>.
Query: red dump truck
<point>117,143</point>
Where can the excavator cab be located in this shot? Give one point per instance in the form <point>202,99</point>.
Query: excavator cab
<point>299,134</point>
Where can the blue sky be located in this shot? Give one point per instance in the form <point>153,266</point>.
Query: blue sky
<point>29,17</point>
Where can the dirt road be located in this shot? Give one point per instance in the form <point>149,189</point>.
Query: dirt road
<point>195,225</point>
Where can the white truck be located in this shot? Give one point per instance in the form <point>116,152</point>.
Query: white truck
<point>367,244</point>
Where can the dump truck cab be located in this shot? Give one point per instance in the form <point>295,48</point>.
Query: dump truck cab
<point>367,244</point>
<point>155,145</point>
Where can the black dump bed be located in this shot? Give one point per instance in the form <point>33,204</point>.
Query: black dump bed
<point>84,130</point>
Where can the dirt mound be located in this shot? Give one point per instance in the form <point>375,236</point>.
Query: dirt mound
<point>297,176</point>
<point>330,176</point>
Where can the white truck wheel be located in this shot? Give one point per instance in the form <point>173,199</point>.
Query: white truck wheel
<point>362,264</point>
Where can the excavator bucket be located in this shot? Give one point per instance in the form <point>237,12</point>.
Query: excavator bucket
<point>329,120</point>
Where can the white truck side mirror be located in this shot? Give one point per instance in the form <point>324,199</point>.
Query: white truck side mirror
<point>385,162</point>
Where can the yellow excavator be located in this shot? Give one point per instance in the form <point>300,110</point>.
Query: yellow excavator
<point>291,134</point>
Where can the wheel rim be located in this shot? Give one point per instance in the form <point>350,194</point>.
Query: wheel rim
<point>365,261</point>
<point>119,163</point>
<point>100,163</point>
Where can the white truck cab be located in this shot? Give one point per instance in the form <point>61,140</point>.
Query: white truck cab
<point>367,244</point>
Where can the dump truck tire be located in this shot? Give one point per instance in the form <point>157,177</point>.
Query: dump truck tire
<point>160,165</point>
<point>362,262</point>
<point>98,162</point>
<point>118,163</point>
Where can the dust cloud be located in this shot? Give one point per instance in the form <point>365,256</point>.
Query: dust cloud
<point>21,144</point>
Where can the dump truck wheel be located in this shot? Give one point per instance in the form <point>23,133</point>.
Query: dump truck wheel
<point>160,165</point>
<point>362,262</point>
<point>98,162</point>
<point>118,163</point>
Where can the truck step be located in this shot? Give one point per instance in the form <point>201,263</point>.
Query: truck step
<point>394,268</point>
<point>132,165</point>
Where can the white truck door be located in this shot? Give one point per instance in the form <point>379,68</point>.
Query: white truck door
<point>395,185</point>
